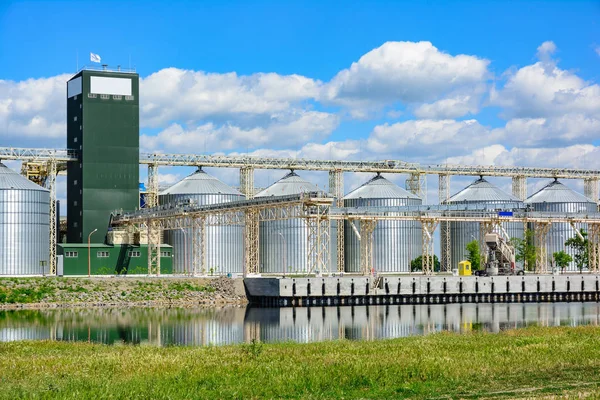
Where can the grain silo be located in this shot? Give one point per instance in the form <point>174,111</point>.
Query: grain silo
<point>556,197</point>
<point>480,193</point>
<point>224,244</point>
<point>395,243</point>
<point>24,225</point>
<point>284,244</point>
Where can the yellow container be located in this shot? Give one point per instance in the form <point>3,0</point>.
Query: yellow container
<point>464,268</point>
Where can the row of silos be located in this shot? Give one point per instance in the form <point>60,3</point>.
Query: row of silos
<point>284,244</point>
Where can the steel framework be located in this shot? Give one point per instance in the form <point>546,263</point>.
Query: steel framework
<point>367,227</point>
<point>446,245</point>
<point>336,188</point>
<point>541,229</point>
<point>416,181</point>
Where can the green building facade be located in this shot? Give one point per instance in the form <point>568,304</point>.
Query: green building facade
<point>103,125</point>
<point>110,260</point>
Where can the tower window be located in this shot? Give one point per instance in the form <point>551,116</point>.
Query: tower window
<point>92,95</point>
<point>129,98</point>
<point>75,140</point>
<point>105,96</point>
<point>75,118</point>
<point>116,97</point>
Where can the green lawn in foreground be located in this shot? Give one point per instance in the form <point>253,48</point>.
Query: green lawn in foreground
<point>519,363</point>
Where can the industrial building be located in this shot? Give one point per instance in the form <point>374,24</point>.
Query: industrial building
<point>200,225</point>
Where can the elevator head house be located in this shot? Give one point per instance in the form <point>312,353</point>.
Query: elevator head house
<point>103,125</point>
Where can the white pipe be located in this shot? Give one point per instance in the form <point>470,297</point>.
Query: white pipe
<point>354,229</point>
<point>577,231</point>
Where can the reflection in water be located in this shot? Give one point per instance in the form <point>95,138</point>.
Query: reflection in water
<point>201,327</point>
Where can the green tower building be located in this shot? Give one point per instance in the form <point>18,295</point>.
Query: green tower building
<point>103,124</point>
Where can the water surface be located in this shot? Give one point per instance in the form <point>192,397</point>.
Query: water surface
<point>202,327</point>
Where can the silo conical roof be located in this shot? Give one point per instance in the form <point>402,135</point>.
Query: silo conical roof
<point>289,185</point>
<point>556,192</point>
<point>10,179</point>
<point>482,191</point>
<point>379,188</point>
<point>200,183</point>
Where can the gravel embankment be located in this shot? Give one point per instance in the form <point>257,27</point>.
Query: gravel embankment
<point>119,291</point>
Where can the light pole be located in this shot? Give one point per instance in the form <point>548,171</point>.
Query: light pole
<point>284,252</point>
<point>185,260</point>
<point>90,253</point>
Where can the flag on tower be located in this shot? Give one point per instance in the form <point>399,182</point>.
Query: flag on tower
<point>95,58</point>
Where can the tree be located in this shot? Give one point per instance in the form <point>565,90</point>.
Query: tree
<point>417,264</point>
<point>474,255</point>
<point>562,259</point>
<point>580,247</point>
<point>525,250</point>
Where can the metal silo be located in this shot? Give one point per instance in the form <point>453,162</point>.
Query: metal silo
<point>480,193</point>
<point>224,244</point>
<point>284,244</point>
<point>556,197</point>
<point>24,225</point>
<point>395,243</point>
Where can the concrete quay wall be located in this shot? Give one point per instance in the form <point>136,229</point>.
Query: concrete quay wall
<point>410,289</point>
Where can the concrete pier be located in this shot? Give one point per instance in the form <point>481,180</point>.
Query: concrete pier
<point>409,289</point>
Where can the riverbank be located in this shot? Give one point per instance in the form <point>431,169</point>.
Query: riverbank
<point>51,292</point>
<point>526,363</point>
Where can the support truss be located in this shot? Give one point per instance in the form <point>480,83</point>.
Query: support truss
<point>594,247</point>
<point>446,252</point>
<point>51,184</point>
<point>247,182</point>
<point>428,226</point>
<point>336,188</point>
<point>519,187</point>
<point>199,246</point>
<point>251,240</point>
<point>152,194</point>
<point>417,185</point>
<point>367,227</point>
<point>541,237</point>
<point>590,189</point>
<point>154,236</point>
<point>318,239</point>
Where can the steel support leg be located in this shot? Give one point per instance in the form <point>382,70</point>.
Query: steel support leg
<point>428,264</point>
<point>247,182</point>
<point>152,194</point>
<point>367,227</point>
<point>590,189</point>
<point>251,244</point>
<point>594,247</point>
<point>336,187</point>
<point>154,234</point>
<point>417,185</point>
<point>199,246</point>
<point>541,237</point>
<point>519,187</point>
<point>318,239</point>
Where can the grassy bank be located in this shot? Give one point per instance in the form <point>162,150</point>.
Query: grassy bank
<point>516,364</point>
<point>115,291</point>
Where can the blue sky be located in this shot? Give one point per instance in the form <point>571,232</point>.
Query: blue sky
<point>488,82</point>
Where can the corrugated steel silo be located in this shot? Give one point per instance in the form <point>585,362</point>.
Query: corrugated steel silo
<point>556,197</point>
<point>480,192</point>
<point>284,244</point>
<point>24,225</point>
<point>395,243</point>
<point>224,244</point>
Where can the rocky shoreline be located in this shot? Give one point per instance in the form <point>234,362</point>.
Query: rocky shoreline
<point>101,292</point>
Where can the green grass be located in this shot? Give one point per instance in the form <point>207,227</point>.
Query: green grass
<point>101,290</point>
<point>524,363</point>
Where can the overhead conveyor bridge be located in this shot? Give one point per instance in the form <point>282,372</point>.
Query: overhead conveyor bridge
<point>416,182</point>
<point>316,208</point>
